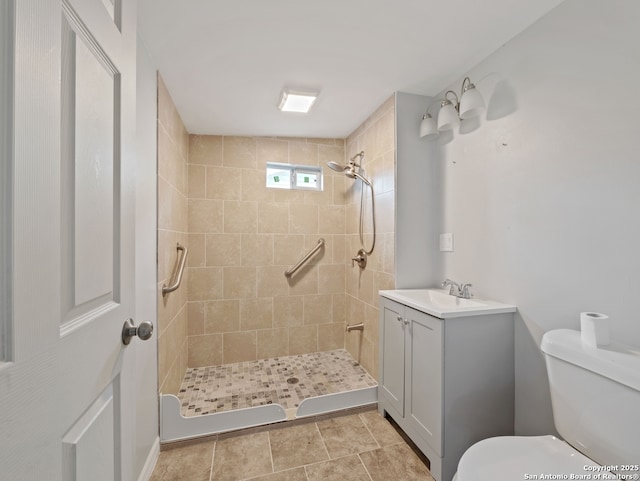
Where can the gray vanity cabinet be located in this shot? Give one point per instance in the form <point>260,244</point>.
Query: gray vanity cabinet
<point>412,354</point>
<point>447,383</point>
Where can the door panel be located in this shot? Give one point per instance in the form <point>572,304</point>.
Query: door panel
<point>62,398</point>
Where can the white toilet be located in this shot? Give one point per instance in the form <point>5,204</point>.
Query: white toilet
<point>595,394</point>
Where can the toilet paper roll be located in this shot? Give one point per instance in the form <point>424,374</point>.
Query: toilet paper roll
<point>594,329</point>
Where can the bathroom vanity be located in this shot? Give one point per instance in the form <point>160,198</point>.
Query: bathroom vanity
<point>446,371</point>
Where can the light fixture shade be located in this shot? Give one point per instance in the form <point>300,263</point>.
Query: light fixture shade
<point>448,117</point>
<point>471,103</point>
<point>297,101</point>
<point>428,127</point>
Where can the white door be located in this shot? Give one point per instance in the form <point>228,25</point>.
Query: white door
<point>66,393</point>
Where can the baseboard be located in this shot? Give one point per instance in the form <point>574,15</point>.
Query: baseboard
<point>150,463</point>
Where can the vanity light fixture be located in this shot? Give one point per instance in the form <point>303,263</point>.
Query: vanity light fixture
<point>297,101</point>
<point>452,110</point>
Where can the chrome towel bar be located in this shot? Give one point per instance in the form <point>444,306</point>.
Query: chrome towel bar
<point>181,260</point>
<point>302,261</point>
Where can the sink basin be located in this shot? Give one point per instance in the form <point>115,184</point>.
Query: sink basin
<point>439,303</point>
<point>444,300</point>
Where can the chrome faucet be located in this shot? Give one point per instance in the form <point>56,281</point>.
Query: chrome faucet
<point>458,290</point>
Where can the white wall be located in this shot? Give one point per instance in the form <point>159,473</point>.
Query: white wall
<point>147,427</point>
<point>543,195</point>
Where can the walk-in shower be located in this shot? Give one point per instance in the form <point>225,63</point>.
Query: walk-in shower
<point>353,171</point>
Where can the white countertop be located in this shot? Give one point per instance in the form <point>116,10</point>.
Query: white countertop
<point>438,303</point>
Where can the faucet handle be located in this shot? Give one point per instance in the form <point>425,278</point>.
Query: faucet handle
<point>464,291</point>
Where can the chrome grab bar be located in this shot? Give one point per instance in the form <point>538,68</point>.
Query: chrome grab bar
<point>167,289</point>
<point>293,269</point>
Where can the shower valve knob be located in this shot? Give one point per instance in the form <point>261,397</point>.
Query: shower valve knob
<point>361,259</point>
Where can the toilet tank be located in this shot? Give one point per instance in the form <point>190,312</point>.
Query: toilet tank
<point>595,394</point>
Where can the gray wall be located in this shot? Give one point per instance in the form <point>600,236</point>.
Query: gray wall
<point>416,210</point>
<point>543,193</point>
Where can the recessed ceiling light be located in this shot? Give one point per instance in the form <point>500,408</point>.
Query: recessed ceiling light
<point>297,101</point>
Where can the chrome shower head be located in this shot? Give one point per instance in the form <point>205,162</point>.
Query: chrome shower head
<point>337,167</point>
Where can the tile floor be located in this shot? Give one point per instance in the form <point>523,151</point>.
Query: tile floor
<point>347,447</point>
<point>225,387</point>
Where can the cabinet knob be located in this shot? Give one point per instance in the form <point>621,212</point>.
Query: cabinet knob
<point>399,318</point>
<point>406,322</point>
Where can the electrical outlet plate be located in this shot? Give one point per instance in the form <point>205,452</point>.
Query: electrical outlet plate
<point>446,242</point>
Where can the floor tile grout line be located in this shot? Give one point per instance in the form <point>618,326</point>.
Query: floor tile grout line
<point>323,442</point>
<point>213,457</point>
<point>273,467</point>
<point>370,432</point>
<point>365,467</point>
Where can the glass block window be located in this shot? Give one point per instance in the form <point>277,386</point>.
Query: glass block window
<point>289,176</point>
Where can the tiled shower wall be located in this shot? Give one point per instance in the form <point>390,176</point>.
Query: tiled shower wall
<point>173,148</point>
<point>243,236</point>
<point>376,137</point>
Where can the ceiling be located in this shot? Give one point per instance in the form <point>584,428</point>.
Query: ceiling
<point>225,63</point>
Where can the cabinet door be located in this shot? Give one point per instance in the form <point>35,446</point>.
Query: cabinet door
<point>424,376</point>
<point>392,382</point>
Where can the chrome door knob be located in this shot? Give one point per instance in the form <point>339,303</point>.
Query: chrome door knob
<point>129,330</point>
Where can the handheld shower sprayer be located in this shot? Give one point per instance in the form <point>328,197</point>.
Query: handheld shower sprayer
<point>352,170</point>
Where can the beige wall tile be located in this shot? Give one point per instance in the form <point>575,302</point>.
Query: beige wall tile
<point>303,219</point>
<point>239,282</point>
<point>240,217</point>
<point>254,186</point>
<point>323,197</point>
<point>331,278</point>
<point>195,314</point>
<point>339,308</point>
<point>239,346</point>
<point>256,313</point>
<point>385,134</point>
<point>273,218</point>
<point>303,339</point>
<point>287,249</point>
<point>331,219</point>
<point>222,316</point>
<point>330,153</point>
<point>318,309</point>
<point>205,350</point>
<point>239,152</point>
<point>257,249</point>
<point>365,288</point>
<point>197,181</point>
<point>205,283</point>
<point>304,281</point>
<point>331,336</point>
<point>288,311</point>
<point>271,150</point>
<point>271,281</point>
<point>302,153</point>
<point>205,149</point>
<point>223,249</point>
<point>385,210</point>
<point>339,249</point>
<point>205,216</point>
<point>273,343</point>
<point>196,246</point>
<point>224,183</point>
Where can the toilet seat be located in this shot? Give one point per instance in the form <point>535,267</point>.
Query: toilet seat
<point>509,458</point>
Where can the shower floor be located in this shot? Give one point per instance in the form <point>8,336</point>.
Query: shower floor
<point>283,380</point>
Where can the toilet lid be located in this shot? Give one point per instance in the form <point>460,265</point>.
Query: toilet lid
<point>512,458</point>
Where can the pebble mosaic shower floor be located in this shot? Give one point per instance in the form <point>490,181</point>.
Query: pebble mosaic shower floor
<point>284,380</point>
